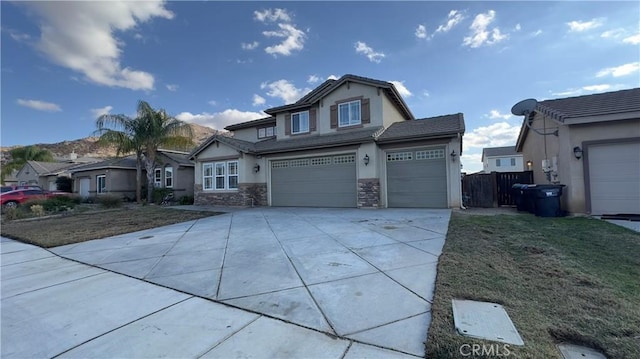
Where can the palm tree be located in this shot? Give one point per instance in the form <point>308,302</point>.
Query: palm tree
<point>143,135</point>
<point>20,156</point>
<point>160,130</point>
<point>124,133</point>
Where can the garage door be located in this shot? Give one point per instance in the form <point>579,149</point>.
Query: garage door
<point>417,178</point>
<point>328,181</point>
<point>614,178</point>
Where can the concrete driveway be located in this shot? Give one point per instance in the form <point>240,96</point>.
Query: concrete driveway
<point>284,282</point>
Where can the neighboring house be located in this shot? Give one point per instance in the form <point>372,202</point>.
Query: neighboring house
<point>117,176</point>
<point>11,179</point>
<point>592,145</point>
<point>351,142</point>
<point>43,174</point>
<point>501,159</point>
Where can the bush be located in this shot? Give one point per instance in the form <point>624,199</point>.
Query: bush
<point>15,213</point>
<point>109,201</point>
<point>186,200</point>
<point>160,193</point>
<point>37,210</point>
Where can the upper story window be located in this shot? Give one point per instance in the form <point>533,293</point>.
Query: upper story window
<point>497,162</point>
<point>349,113</point>
<point>266,132</point>
<point>513,161</point>
<point>300,122</point>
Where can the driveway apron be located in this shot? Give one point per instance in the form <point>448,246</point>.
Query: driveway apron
<point>354,282</point>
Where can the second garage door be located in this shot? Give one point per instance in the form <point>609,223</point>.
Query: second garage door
<point>417,178</point>
<point>614,177</point>
<point>327,181</point>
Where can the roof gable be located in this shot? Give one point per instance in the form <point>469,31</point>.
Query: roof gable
<point>240,145</point>
<point>447,125</point>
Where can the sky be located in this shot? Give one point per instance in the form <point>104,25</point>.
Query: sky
<point>63,64</point>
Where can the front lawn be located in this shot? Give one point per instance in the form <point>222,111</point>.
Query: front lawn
<point>80,227</point>
<point>573,280</point>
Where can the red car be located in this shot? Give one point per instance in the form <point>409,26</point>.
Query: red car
<point>12,199</point>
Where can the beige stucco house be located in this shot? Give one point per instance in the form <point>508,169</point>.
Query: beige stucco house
<point>43,174</point>
<point>351,142</point>
<point>591,144</point>
<point>117,176</point>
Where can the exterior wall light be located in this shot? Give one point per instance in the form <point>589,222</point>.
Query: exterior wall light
<point>529,165</point>
<point>366,159</point>
<point>577,152</point>
<point>256,168</point>
<point>453,156</point>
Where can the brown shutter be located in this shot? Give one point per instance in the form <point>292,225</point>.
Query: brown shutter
<point>287,124</point>
<point>334,116</point>
<point>312,119</point>
<point>366,112</point>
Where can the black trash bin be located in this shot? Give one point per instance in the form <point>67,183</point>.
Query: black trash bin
<point>546,200</point>
<point>518,195</point>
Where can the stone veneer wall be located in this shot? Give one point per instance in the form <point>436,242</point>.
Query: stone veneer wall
<point>242,197</point>
<point>368,193</point>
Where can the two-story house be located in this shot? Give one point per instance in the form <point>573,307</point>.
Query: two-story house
<point>351,142</point>
<point>501,159</point>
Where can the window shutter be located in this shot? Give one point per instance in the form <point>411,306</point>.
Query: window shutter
<point>287,124</point>
<point>334,116</point>
<point>312,119</point>
<point>366,113</point>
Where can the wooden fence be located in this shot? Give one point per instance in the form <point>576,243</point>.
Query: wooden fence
<point>492,189</point>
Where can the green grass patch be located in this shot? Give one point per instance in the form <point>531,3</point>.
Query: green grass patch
<point>571,280</point>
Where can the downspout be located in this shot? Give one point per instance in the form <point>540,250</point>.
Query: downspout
<point>459,177</point>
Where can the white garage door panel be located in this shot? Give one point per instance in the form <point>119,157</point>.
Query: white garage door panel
<point>614,173</point>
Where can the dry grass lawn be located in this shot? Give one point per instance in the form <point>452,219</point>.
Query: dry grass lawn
<point>573,280</point>
<point>80,227</point>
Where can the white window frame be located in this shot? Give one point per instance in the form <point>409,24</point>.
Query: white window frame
<point>271,131</point>
<point>210,177</point>
<point>228,172</point>
<point>266,132</point>
<point>168,177</point>
<point>301,128</point>
<point>101,189</point>
<point>157,177</point>
<point>350,121</point>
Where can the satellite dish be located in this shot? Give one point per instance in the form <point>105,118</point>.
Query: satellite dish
<point>524,107</point>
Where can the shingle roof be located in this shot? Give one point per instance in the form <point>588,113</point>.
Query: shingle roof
<point>252,123</point>
<point>330,85</point>
<point>499,151</point>
<point>321,141</point>
<point>591,105</point>
<point>128,162</point>
<point>424,128</point>
<point>49,167</point>
<point>182,158</point>
<point>240,145</point>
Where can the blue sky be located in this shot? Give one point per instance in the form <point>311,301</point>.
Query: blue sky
<point>218,63</point>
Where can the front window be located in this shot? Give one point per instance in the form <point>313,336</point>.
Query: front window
<point>497,162</point>
<point>300,122</point>
<point>157,177</point>
<point>168,177</point>
<point>101,184</point>
<point>513,162</point>
<point>220,175</point>
<point>349,113</point>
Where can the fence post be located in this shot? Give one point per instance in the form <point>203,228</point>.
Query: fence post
<point>494,185</point>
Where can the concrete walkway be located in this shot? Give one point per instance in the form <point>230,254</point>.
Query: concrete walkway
<point>272,282</point>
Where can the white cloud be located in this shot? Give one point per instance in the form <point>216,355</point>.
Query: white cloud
<point>495,135</point>
<point>536,33</point>
<point>399,85</point>
<point>294,40</point>
<point>633,40</point>
<point>172,87</point>
<point>471,162</point>
<point>518,27</point>
<point>579,26</point>
<point>97,112</point>
<point>372,55</point>
<point>80,36</point>
<point>213,103</point>
<point>622,70</point>
<point>495,114</point>
<point>421,32</point>
<point>614,34</point>
<point>313,79</point>
<point>332,77</point>
<point>39,105</point>
<point>426,93</point>
<point>284,90</point>
<point>258,100</point>
<point>272,15</point>
<point>480,34</point>
<point>597,88</point>
<point>19,36</point>
<point>588,89</point>
<point>220,120</point>
<point>453,19</point>
<point>250,46</point>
